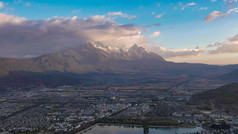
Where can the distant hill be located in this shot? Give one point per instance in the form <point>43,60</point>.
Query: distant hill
<point>223,98</point>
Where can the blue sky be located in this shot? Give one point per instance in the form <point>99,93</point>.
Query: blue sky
<point>181,21</point>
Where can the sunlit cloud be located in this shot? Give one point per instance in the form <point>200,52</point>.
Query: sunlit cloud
<point>157,33</point>
<point>10,19</point>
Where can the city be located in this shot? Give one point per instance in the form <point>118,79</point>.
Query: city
<point>70,109</point>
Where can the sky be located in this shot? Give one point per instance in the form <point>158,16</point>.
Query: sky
<point>195,31</point>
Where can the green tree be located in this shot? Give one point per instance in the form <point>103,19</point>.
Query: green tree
<point>146,129</point>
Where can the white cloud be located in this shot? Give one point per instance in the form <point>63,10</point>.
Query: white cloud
<point>216,14</point>
<point>17,1</point>
<point>76,11</point>
<point>213,0</point>
<point>1,5</point>
<point>230,3</point>
<point>23,3</point>
<point>191,4</point>
<point>27,4</point>
<point>156,33</point>
<point>188,5</point>
<point>123,15</point>
<point>229,46</point>
<point>117,13</point>
<point>203,8</point>
<point>158,5</point>
<point>234,10</point>
<point>22,37</point>
<point>169,53</point>
<point>180,3</point>
<point>132,17</point>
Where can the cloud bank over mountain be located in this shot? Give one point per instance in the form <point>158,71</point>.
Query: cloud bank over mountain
<point>22,38</point>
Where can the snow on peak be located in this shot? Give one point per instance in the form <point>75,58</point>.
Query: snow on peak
<point>104,47</point>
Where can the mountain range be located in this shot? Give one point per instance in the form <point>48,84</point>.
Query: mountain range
<point>95,62</point>
<point>91,57</point>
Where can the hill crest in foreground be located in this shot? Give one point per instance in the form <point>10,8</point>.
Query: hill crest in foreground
<point>223,98</point>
